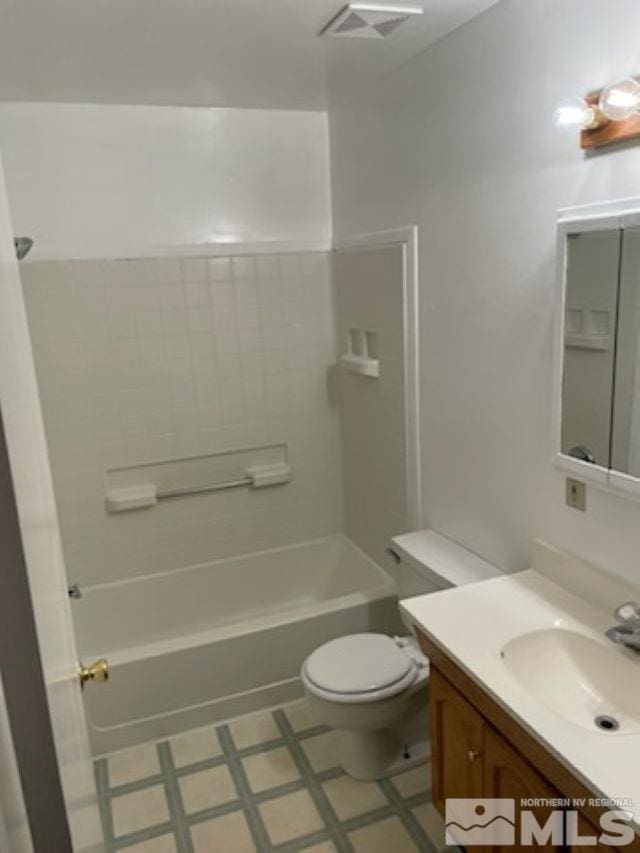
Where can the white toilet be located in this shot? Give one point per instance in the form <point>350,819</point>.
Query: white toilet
<point>372,687</point>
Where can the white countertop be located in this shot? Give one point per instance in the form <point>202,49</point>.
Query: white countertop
<point>472,624</point>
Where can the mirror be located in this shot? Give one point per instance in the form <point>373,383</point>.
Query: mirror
<point>625,436</point>
<point>589,345</point>
<point>600,405</point>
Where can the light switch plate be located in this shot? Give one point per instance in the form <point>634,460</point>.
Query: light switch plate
<point>576,494</point>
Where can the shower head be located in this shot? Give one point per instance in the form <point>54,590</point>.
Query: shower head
<point>23,246</point>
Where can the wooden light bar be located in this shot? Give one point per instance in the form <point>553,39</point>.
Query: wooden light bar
<point>608,132</point>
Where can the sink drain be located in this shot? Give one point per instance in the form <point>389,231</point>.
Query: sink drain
<point>606,723</point>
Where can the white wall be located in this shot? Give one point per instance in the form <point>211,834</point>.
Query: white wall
<point>461,141</point>
<point>94,181</point>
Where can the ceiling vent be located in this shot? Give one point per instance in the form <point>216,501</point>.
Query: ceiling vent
<point>369,20</point>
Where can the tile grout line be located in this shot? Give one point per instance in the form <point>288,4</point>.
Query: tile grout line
<point>265,796</point>
<point>249,807</point>
<point>197,766</point>
<point>314,731</point>
<point>368,818</point>
<point>406,815</point>
<point>314,786</point>
<point>137,785</point>
<point>104,801</point>
<point>214,812</point>
<point>174,798</point>
<point>303,842</point>
<point>148,833</point>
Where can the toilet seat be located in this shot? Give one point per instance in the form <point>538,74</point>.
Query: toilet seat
<point>359,668</point>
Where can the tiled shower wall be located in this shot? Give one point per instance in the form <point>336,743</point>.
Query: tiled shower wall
<point>140,360</point>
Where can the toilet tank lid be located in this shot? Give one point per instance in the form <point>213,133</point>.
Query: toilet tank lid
<point>442,560</point>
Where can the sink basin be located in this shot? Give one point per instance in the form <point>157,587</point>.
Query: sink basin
<point>589,684</point>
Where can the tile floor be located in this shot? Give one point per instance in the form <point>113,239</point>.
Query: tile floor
<point>266,782</point>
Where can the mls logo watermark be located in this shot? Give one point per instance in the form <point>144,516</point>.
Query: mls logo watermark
<point>492,822</point>
<point>478,822</point>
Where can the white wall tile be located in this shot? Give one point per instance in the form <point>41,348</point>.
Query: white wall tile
<point>219,269</point>
<point>223,318</point>
<point>248,315</point>
<point>243,267</point>
<point>221,293</point>
<point>174,357</point>
<point>267,266</point>
<point>175,320</point>
<point>171,296</point>
<point>168,269</point>
<point>194,269</point>
<point>197,293</point>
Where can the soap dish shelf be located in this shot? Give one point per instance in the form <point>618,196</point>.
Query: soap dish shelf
<point>361,356</point>
<point>358,364</point>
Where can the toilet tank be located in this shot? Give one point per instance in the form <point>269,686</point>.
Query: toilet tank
<point>426,561</point>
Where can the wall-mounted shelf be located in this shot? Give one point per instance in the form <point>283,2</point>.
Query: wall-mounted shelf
<point>587,329</point>
<point>594,342</point>
<point>362,354</point>
<point>364,366</point>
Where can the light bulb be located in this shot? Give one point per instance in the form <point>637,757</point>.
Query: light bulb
<point>574,115</point>
<point>620,100</point>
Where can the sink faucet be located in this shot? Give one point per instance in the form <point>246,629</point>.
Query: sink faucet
<point>627,633</point>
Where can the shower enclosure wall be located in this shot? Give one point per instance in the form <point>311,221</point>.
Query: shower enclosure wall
<point>162,359</point>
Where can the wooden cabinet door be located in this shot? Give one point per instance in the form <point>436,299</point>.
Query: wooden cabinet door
<point>507,775</point>
<point>586,829</point>
<point>456,743</point>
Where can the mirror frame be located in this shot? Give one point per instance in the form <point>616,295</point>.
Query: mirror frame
<point>602,216</point>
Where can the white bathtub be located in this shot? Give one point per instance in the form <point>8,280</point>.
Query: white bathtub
<point>208,642</point>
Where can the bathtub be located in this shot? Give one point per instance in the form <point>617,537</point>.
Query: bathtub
<point>208,642</point>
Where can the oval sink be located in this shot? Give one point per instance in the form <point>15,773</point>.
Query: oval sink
<point>578,678</point>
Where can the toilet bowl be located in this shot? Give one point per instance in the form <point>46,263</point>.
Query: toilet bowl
<point>365,685</point>
<point>372,687</point>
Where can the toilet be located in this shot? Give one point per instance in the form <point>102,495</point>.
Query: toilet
<point>372,687</point>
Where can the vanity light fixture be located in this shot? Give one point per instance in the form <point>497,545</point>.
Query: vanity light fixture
<point>575,114</point>
<point>609,115</point>
<point>620,101</point>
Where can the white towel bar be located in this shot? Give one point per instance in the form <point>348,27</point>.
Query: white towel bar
<point>205,487</point>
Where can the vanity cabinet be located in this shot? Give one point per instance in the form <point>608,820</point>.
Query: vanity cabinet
<point>470,759</point>
<point>479,751</point>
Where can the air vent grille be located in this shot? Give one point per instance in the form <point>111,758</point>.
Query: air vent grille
<point>351,23</point>
<point>360,20</point>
